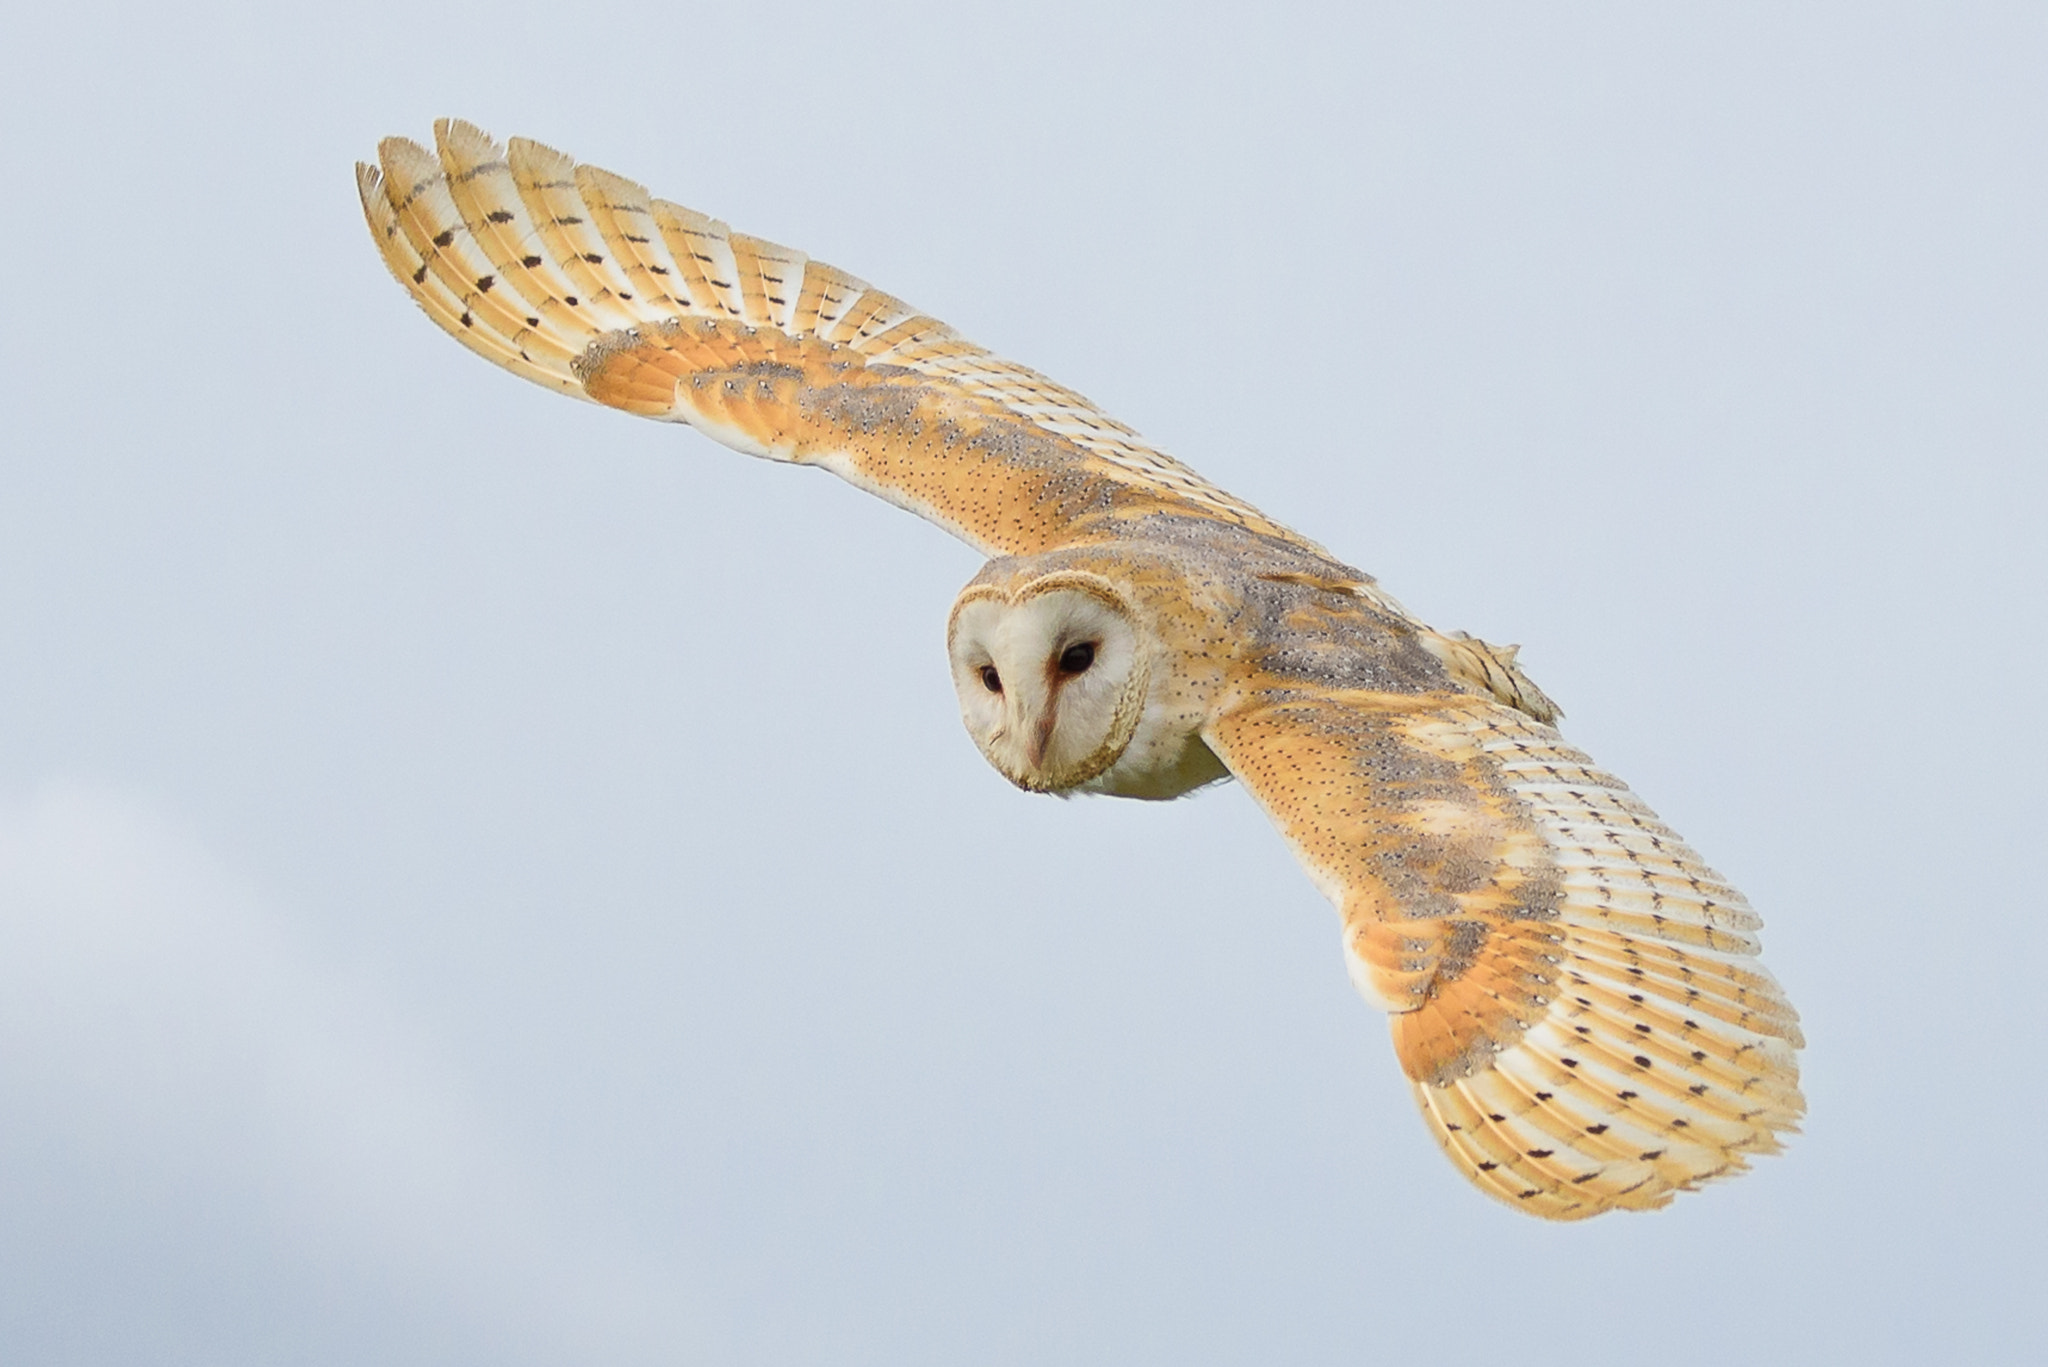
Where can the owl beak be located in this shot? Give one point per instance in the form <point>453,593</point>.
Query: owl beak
<point>1028,718</point>
<point>1041,735</point>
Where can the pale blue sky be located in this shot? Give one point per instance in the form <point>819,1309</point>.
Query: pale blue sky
<point>485,880</point>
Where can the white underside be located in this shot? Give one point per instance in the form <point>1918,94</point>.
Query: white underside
<point>1162,761</point>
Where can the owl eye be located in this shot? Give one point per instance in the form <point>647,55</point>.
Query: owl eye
<point>991,680</point>
<point>1076,659</point>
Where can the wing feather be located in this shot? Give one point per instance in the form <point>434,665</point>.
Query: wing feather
<point>566,235</point>
<point>408,221</point>
<point>479,213</point>
<point>1574,992</point>
<point>576,278</point>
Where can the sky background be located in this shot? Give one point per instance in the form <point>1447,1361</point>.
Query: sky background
<point>487,880</point>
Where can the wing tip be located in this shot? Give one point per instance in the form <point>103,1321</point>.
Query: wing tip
<point>1558,1126</point>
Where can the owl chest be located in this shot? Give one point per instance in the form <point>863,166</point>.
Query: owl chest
<point>1167,756</point>
<point>1167,762</point>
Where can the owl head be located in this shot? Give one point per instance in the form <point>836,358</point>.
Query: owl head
<point>1051,671</point>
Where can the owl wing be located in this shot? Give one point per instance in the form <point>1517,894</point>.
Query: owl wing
<point>576,279</point>
<point>1574,993</point>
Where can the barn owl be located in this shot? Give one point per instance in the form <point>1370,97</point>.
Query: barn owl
<point>1574,995</point>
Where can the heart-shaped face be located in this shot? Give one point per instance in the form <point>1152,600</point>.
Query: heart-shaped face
<point>1050,677</point>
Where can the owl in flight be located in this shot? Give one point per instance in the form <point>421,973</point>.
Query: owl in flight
<point>1574,994</point>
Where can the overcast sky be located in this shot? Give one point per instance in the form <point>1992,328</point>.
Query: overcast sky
<point>487,880</point>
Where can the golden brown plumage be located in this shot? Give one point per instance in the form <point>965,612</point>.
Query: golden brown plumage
<point>576,279</point>
<point>1574,993</point>
<point>1573,990</point>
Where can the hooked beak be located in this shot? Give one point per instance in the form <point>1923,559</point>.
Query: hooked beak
<point>1028,714</point>
<point>1043,732</point>
<point>1041,736</point>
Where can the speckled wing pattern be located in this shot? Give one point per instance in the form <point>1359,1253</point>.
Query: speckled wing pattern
<point>1574,992</point>
<point>578,280</point>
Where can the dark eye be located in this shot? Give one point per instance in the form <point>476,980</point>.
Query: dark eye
<point>1076,659</point>
<point>991,680</point>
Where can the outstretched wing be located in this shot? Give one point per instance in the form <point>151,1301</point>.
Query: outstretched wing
<point>576,279</point>
<point>1575,994</point>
